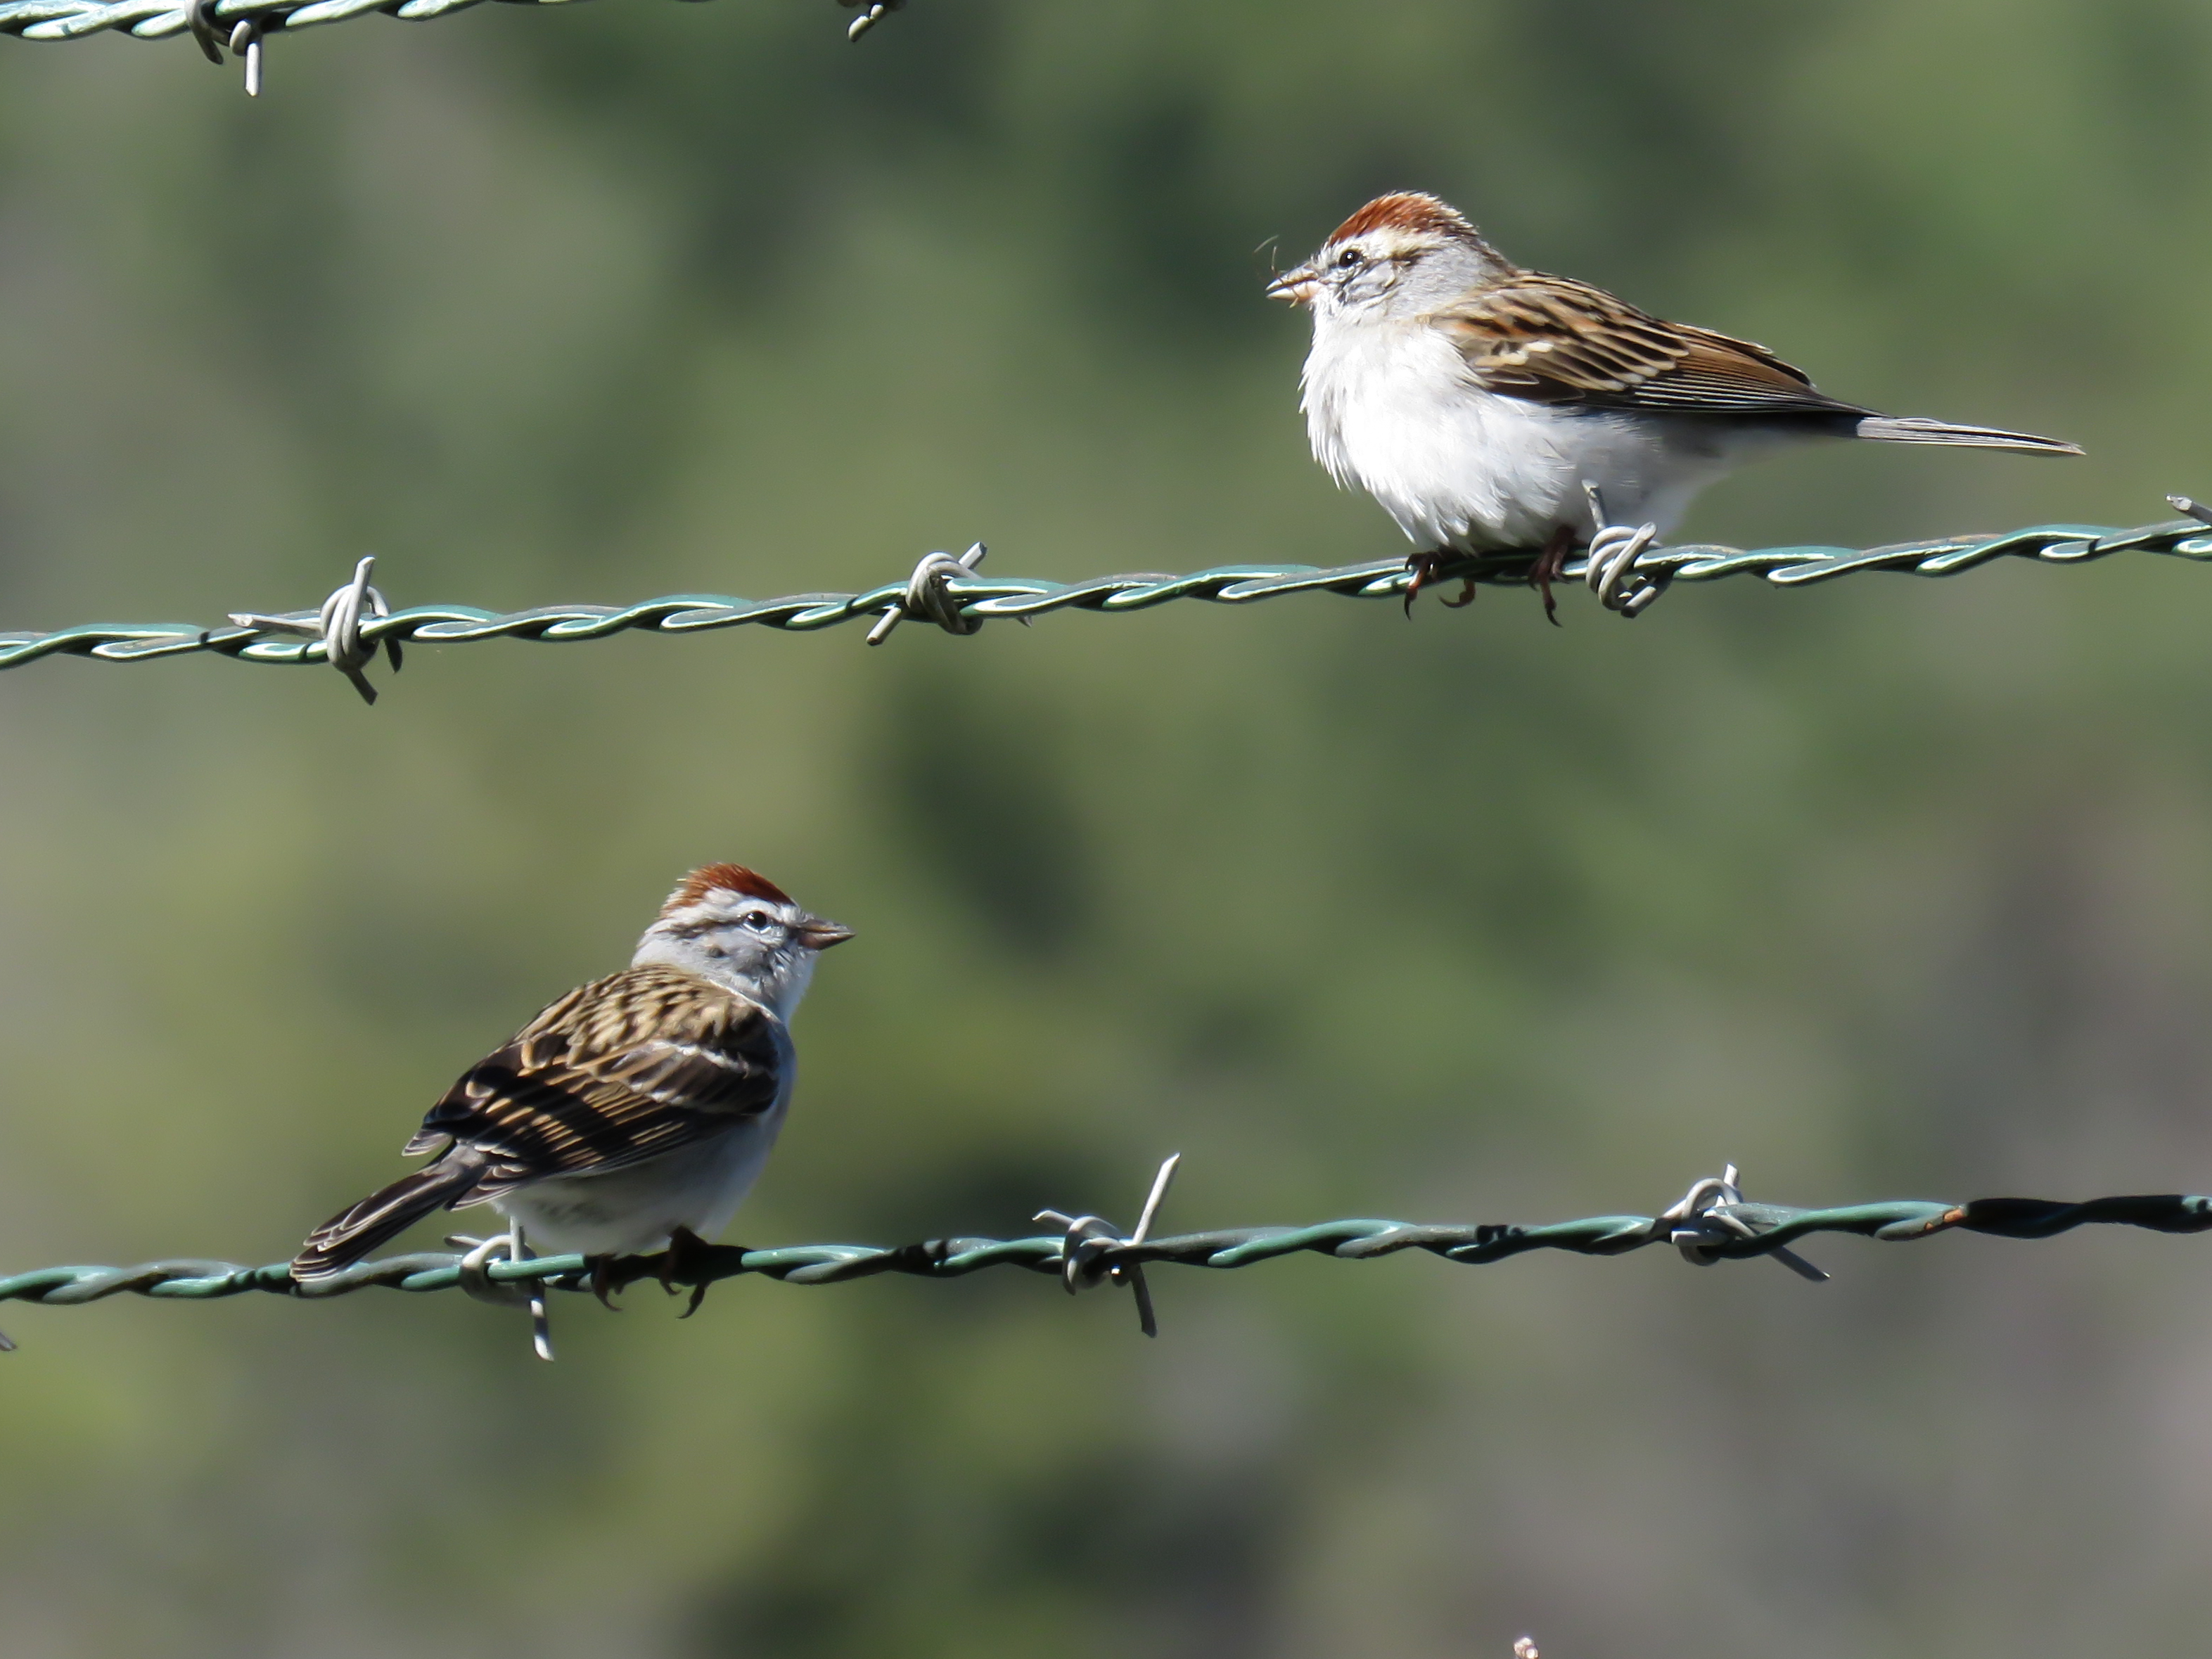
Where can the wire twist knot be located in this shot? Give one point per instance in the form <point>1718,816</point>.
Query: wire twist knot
<point>1707,1216</point>
<point>1614,551</point>
<point>478,1283</point>
<point>927,597</point>
<point>244,38</point>
<point>1092,1252</point>
<point>336,628</point>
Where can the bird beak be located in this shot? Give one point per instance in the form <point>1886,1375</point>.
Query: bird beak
<point>816,934</point>
<point>1295,286</point>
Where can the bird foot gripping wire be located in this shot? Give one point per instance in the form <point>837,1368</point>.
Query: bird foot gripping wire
<point>1613,550</point>
<point>336,628</point>
<point>1087,1255</point>
<point>477,1282</point>
<point>244,38</point>
<point>927,598</point>
<point>1713,1213</point>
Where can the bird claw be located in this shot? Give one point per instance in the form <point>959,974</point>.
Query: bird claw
<point>1423,567</point>
<point>1549,565</point>
<point>603,1284</point>
<point>1420,567</point>
<point>685,1255</point>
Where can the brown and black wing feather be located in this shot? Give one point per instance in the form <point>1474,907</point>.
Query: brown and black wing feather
<point>623,1069</point>
<point>355,1231</point>
<point>1554,340</point>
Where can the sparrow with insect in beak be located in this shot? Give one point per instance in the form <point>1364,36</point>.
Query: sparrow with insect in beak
<point>1482,404</point>
<point>635,1112</point>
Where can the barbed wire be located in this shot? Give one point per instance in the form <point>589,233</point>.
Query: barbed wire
<point>959,598</point>
<point>1709,1224</point>
<point>160,20</point>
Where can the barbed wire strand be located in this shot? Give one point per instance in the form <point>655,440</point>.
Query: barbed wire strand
<point>1711,1223</point>
<point>256,19</point>
<point>245,25</point>
<point>962,602</point>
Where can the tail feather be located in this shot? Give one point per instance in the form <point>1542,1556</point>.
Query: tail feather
<point>355,1231</point>
<point>1912,430</point>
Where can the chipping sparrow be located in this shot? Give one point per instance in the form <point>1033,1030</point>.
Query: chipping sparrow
<point>635,1112</point>
<point>1478,402</point>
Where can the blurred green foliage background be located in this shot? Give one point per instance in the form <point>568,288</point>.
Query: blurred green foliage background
<point>1890,888</point>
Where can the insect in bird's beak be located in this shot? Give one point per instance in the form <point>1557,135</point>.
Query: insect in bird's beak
<point>815,934</point>
<point>1296,286</point>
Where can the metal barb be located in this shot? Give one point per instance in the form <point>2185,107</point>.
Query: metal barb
<point>541,1321</point>
<point>2196,510</point>
<point>244,38</point>
<point>6,1345</point>
<point>336,628</point>
<point>1702,1218</point>
<point>868,19</point>
<point>1613,550</point>
<point>927,599</point>
<point>477,1283</point>
<point>245,41</point>
<point>199,17</point>
<point>1087,1255</point>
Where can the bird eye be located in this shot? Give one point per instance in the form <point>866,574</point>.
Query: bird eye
<point>759,920</point>
<point>1349,257</point>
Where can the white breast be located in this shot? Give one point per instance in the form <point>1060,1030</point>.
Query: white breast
<point>631,1210</point>
<point>1390,407</point>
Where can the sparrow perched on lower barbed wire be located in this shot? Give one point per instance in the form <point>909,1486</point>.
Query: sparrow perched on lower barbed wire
<point>635,1112</point>
<point>1480,403</point>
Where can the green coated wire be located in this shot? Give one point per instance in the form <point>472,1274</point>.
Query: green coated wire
<point>159,20</point>
<point>1711,1224</point>
<point>959,598</point>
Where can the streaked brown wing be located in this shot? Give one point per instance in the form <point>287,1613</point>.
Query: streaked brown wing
<point>1550,339</point>
<point>621,1070</point>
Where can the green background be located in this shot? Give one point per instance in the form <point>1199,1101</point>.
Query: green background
<point>1889,887</point>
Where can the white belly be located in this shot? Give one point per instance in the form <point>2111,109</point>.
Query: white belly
<point>1390,408</point>
<point>630,1211</point>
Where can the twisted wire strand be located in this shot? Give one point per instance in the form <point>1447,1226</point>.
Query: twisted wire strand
<point>978,598</point>
<point>158,20</point>
<point>1704,1234</point>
